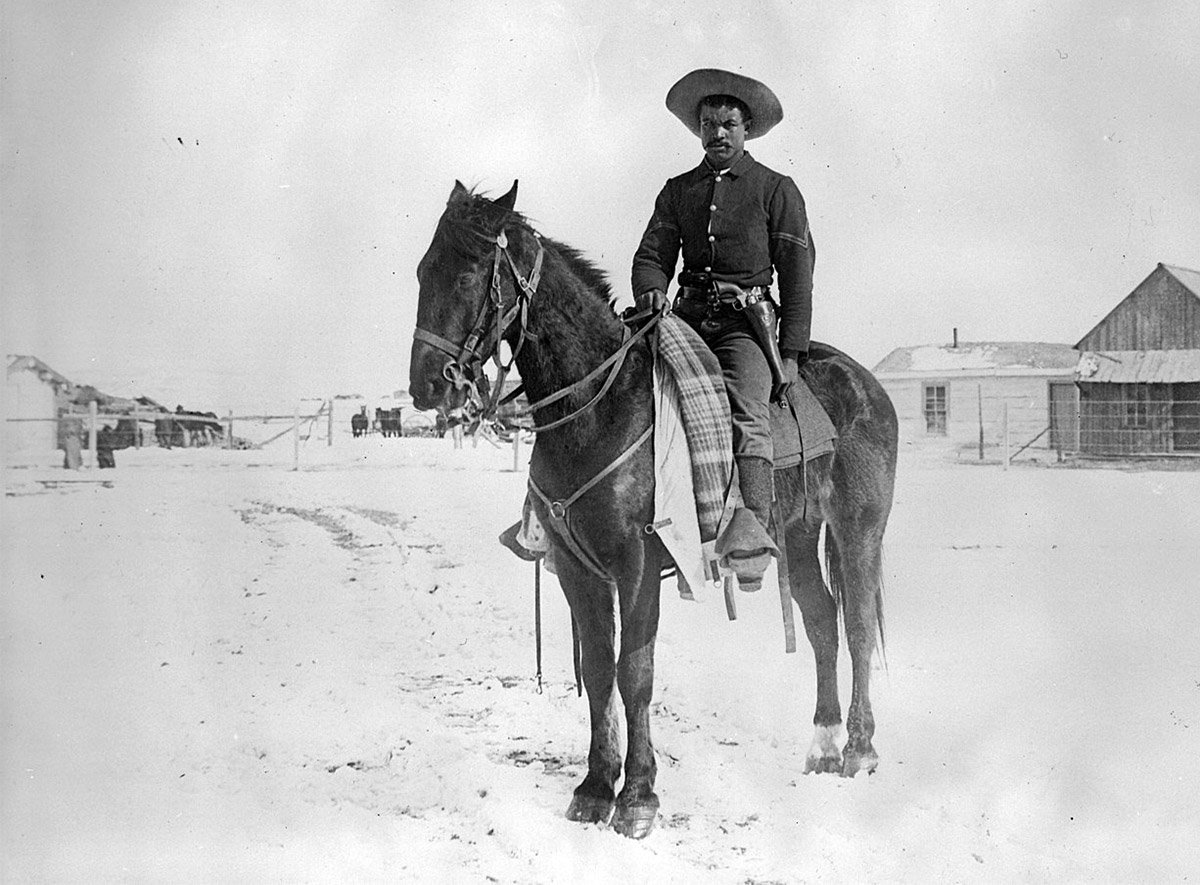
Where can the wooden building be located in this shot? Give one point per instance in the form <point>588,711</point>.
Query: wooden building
<point>1139,371</point>
<point>962,394</point>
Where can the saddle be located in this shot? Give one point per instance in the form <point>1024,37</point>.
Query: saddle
<point>695,493</point>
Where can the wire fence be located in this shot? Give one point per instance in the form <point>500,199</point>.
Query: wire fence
<point>88,438</point>
<point>1148,423</point>
<point>1140,425</point>
<point>97,432</point>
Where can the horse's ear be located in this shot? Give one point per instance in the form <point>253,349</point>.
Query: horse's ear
<point>458,192</point>
<point>509,199</point>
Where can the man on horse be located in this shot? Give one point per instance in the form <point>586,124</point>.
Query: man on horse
<point>738,225</point>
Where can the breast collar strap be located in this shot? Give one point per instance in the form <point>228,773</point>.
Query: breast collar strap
<point>560,514</point>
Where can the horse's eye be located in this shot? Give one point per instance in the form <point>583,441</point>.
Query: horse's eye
<point>466,279</point>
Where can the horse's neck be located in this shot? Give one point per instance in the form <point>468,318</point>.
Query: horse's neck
<point>576,331</point>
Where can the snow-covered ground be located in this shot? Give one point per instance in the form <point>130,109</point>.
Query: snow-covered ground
<point>214,668</point>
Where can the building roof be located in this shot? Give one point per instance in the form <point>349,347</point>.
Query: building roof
<point>1189,278</point>
<point>1139,367</point>
<point>21,363</point>
<point>1186,277</point>
<point>979,357</point>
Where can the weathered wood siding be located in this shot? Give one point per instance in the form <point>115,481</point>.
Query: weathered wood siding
<point>1139,419</point>
<point>1160,314</point>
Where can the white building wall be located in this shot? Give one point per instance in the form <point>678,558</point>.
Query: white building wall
<point>1027,396</point>
<point>27,396</point>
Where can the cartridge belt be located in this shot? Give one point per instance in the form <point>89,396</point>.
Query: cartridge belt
<point>709,297</point>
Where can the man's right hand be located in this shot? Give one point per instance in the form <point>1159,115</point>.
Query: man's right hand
<point>652,300</point>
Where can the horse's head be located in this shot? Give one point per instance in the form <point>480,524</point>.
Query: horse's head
<point>458,306</point>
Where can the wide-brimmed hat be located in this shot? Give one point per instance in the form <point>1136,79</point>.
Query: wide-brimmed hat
<point>683,99</point>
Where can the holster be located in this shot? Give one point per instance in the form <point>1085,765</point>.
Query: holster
<point>759,311</point>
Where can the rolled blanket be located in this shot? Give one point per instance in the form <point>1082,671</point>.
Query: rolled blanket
<point>704,411</point>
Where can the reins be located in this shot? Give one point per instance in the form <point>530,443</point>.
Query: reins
<point>466,364</point>
<point>465,367</point>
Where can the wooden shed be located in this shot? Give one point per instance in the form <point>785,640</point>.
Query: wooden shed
<point>1139,371</point>
<point>961,394</point>
<point>33,396</point>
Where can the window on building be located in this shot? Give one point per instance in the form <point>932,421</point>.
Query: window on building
<point>1137,405</point>
<point>935,409</point>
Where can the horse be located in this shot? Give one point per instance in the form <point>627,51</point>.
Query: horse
<point>489,276</point>
<point>359,422</point>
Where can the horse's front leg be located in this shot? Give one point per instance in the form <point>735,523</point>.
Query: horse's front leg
<point>591,603</point>
<point>637,806</point>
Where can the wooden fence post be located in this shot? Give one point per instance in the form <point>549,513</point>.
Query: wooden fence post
<point>296,438</point>
<point>93,461</point>
<point>1006,440</point>
<point>330,422</point>
<point>980,389</point>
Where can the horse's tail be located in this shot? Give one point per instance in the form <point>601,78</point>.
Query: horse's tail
<point>872,584</point>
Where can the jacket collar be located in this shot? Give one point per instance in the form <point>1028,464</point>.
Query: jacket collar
<point>741,167</point>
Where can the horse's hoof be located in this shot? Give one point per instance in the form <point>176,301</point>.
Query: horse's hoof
<point>589,810</point>
<point>824,757</point>
<point>823,765</point>
<point>635,821</point>
<point>853,763</point>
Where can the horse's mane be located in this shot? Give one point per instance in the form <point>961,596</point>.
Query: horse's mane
<point>471,224</point>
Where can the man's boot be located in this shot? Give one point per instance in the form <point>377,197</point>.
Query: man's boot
<point>527,539</point>
<point>508,538</point>
<point>746,546</point>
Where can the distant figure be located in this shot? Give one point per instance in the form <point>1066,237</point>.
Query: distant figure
<point>104,447</point>
<point>71,430</point>
<point>360,422</point>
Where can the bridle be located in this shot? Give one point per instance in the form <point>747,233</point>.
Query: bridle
<point>465,366</point>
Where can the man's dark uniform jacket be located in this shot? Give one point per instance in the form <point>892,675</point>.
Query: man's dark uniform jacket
<point>735,227</point>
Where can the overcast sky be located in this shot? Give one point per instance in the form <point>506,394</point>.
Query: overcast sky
<point>223,204</point>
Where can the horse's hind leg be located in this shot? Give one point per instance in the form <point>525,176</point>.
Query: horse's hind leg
<point>857,561</point>
<point>591,603</point>
<point>637,806</point>
<point>819,610</point>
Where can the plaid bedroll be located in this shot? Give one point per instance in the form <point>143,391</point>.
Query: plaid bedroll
<point>704,410</point>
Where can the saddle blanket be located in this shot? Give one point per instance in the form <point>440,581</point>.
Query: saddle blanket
<point>805,435</point>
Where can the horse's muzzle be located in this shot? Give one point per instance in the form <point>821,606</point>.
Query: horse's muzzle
<point>427,382</point>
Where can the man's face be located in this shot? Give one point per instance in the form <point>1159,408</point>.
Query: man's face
<point>723,134</point>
